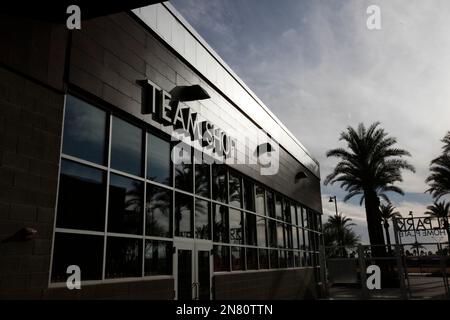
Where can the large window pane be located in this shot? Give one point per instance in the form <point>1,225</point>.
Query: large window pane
<point>270,204</point>
<point>301,242</point>
<point>306,239</point>
<point>220,183</point>
<point>263,258</point>
<point>85,251</point>
<point>273,233</point>
<point>220,227</point>
<point>274,263</point>
<point>126,198</point>
<point>158,212</point>
<point>183,169</point>
<point>299,216</point>
<point>158,258</point>
<point>283,260</point>
<point>84,131</point>
<point>287,211</point>
<point>280,237</point>
<point>294,238</point>
<point>202,180</point>
<point>260,200</point>
<point>221,258</point>
<point>249,196</point>
<point>290,259</point>
<point>293,214</point>
<point>183,215</point>
<point>279,207</point>
<point>288,236</point>
<point>252,259</point>
<point>158,160</point>
<point>126,147</point>
<point>261,231</point>
<point>82,197</point>
<point>235,190</point>
<point>123,257</point>
<point>236,227</point>
<point>202,219</point>
<point>250,228</point>
<point>237,258</point>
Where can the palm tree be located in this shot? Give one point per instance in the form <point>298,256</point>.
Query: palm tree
<point>338,232</point>
<point>387,213</point>
<point>369,169</point>
<point>441,211</point>
<point>439,179</point>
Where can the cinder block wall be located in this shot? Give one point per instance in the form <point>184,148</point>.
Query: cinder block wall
<point>30,134</point>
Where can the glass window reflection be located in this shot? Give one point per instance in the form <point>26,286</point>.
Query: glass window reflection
<point>158,258</point>
<point>158,211</point>
<point>126,147</point>
<point>158,160</point>
<point>220,183</point>
<point>202,219</point>
<point>235,190</point>
<point>81,197</point>
<point>84,131</point>
<point>183,215</point>
<point>236,226</point>
<point>220,227</point>
<point>123,257</point>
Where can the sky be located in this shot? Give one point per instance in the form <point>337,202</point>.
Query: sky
<point>318,67</point>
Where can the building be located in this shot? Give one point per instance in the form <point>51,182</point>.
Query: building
<point>87,120</point>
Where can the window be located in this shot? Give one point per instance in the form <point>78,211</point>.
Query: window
<point>283,259</point>
<point>158,160</point>
<point>297,259</point>
<point>237,258</point>
<point>84,131</point>
<point>306,239</point>
<point>260,200</point>
<point>202,180</point>
<point>220,183</point>
<point>158,212</point>
<point>126,147</point>
<point>263,258</point>
<point>123,257</point>
<point>220,227</point>
<point>270,205</point>
<point>272,233</point>
<point>280,237</point>
<point>183,168</point>
<point>288,236</point>
<point>250,229</point>
<point>235,190</point>
<point>126,198</point>
<point>236,226</point>
<point>299,216</point>
<point>82,197</point>
<point>293,214</point>
<point>290,259</point>
<point>294,237</point>
<point>252,258</point>
<point>287,211</point>
<point>202,219</point>
<point>249,196</point>
<point>221,258</point>
<point>261,231</point>
<point>85,251</point>
<point>278,207</point>
<point>158,257</point>
<point>183,215</point>
<point>274,259</point>
<point>301,242</point>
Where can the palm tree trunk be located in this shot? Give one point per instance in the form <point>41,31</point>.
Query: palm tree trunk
<point>372,204</point>
<point>388,237</point>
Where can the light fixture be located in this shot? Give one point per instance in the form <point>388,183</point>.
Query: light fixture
<point>189,93</point>
<point>300,175</point>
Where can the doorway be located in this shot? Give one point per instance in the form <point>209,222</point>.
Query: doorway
<point>192,269</point>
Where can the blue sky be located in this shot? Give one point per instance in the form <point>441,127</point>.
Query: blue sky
<point>319,69</point>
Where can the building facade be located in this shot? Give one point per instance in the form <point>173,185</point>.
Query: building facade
<point>90,126</point>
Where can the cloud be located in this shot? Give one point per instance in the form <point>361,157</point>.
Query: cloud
<point>319,69</point>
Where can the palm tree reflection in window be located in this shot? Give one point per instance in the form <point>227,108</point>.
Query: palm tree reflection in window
<point>158,212</point>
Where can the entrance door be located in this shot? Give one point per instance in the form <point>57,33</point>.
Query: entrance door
<point>192,269</point>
